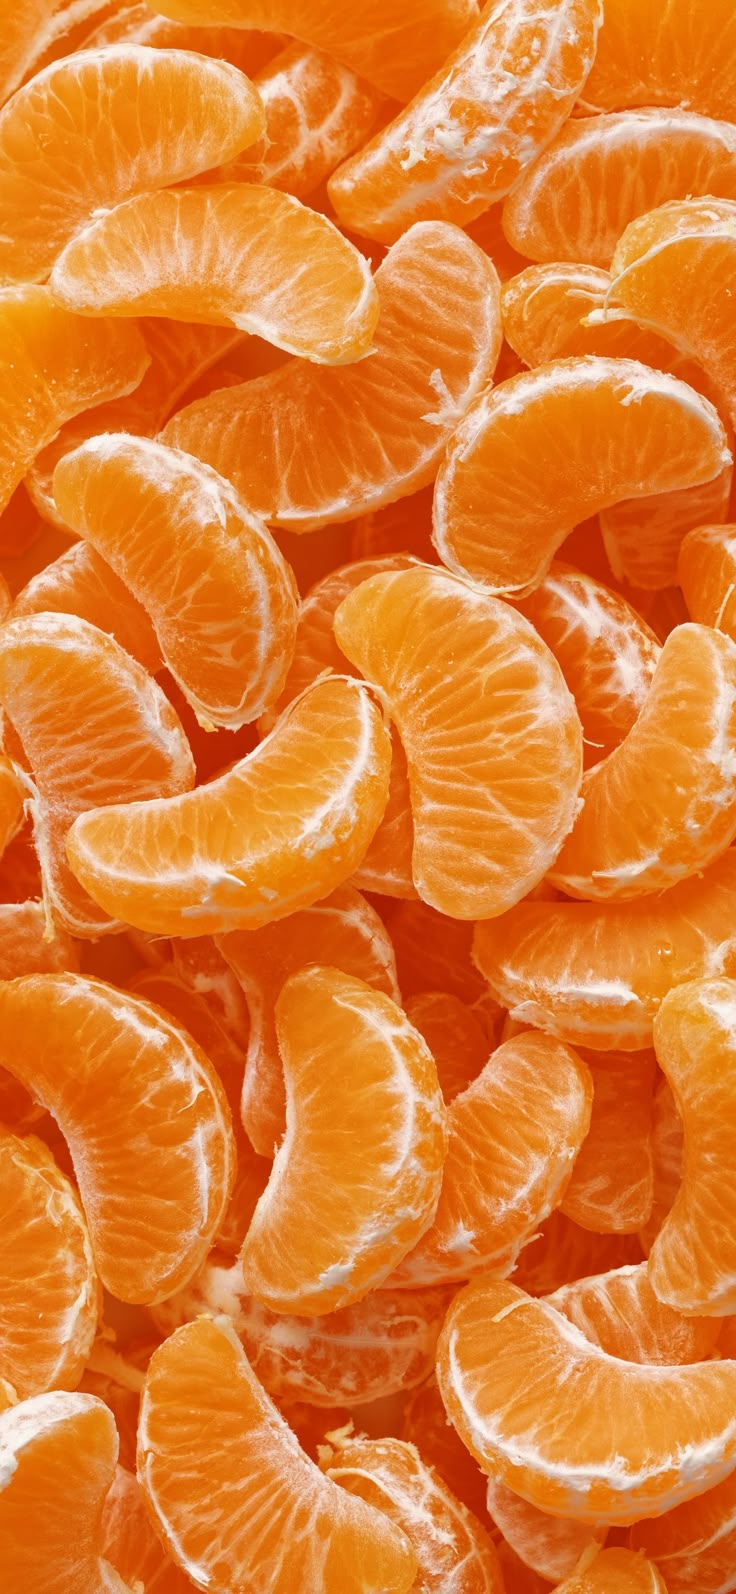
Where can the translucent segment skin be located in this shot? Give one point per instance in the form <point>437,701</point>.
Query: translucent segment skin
<point>707,575</point>
<point>80,582</point>
<point>615,1571</point>
<point>695,1543</point>
<point>620,1312</point>
<point>550,1546</point>
<point>653,55</point>
<point>611,1190</point>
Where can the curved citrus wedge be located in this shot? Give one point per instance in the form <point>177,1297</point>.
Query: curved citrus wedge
<point>342,931</point>
<point>377,1347</point>
<point>30,945</point>
<point>525,1391</point>
<point>276,832</point>
<point>235,1500</point>
<point>425,1425</point>
<point>694,1545</point>
<point>130,1544</point>
<point>57,1461</point>
<point>707,575</point>
<point>472,128</point>
<point>667,1156</point>
<point>455,1035</point>
<point>482,738</point>
<point>620,1312</point>
<point>100,125</point>
<point>550,1546</point>
<point>386,868</point>
<point>692,1263</point>
<point>49,1294</point>
<point>612,1185</point>
<point>219,592</point>
<point>144,1116</point>
<point>305,447</point>
<point>601,172</point>
<point>52,365</point>
<point>95,729</point>
<point>356,1179</point>
<point>527,462</point>
<point>650,54</point>
<point>18,42</point>
<point>514,1134</point>
<point>562,1252</point>
<point>234,253</point>
<point>615,1571</point>
<point>80,582</point>
<point>596,973</point>
<point>454,1552</point>
<point>13,793</point>
<point>546,311</point>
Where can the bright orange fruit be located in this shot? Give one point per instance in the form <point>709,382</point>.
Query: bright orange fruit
<point>356,1179</point>
<point>614,1571</point>
<point>707,575</point>
<point>18,41</point>
<point>29,944</point>
<point>80,582</point>
<point>620,1312</point>
<point>117,1379</point>
<point>550,1546</point>
<point>611,1189</point>
<point>667,1153</point>
<point>130,1544</point>
<point>455,1035</point>
<point>425,1425</point>
<point>562,1252</point>
<point>653,55</point>
<point>433,952</point>
<point>695,1544</point>
<point>560,310</point>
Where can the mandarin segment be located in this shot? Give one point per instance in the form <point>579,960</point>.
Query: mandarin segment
<point>80,582</point>
<point>455,1035</point>
<point>130,1543</point>
<point>549,1546</point>
<point>707,575</point>
<point>695,1544</point>
<point>652,54</point>
<point>614,1571</point>
<point>425,1424</point>
<point>620,1312</point>
<point>611,1189</point>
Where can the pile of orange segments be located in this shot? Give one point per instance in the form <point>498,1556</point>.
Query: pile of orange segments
<point>367,797</point>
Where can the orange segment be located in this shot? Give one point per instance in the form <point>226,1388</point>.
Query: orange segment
<point>546,311</point>
<point>306,447</point>
<point>95,728</point>
<point>695,1544</point>
<point>234,254</point>
<point>454,1552</point>
<point>17,44</point>
<point>145,1118</point>
<point>480,741</point>
<point>615,1571</point>
<point>235,1500</point>
<point>130,1544</point>
<point>134,23</point>
<point>525,1391</point>
<point>455,1035</point>
<point>612,1185</point>
<point>642,537</point>
<point>80,582</point>
<point>342,931</point>
<point>649,54</point>
<point>386,868</point>
<point>49,1294</point>
<point>550,1546</point>
<point>562,1252</point>
<point>596,973</point>
<point>30,945</point>
<point>13,793</point>
<point>620,1312</point>
<point>57,1455</point>
<point>525,465</point>
<point>514,1134</point>
<point>118,1380</point>
<point>100,125</point>
<point>600,173</point>
<point>474,126</point>
<point>425,1425</point>
<point>692,1263</point>
<point>376,1347</point>
<point>277,832</point>
<point>667,1153</point>
<point>53,365</point>
<point>220,594</point>
<point>356,1179</point>
<point>707,575</point>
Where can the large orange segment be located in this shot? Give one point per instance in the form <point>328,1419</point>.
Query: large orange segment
<point>612,1185</point>
<point>615,1571</point>
<point>525,465</point>
<point>234,1498</point>
<point>667,55</point>
<point>550,1546</point>
<point>356,1179</point>
<point>53,365</point>
<point>599,174</point>
<point>377,1347</point>
<point>342,931</point>
<point>707,575</point>
<point>145,1118</point>
<point>57,1462</point>
<point>275,833</point>
<point>307,447</point>
<point>49,1294</point>
<point>463,141</point>
<point>454,1552</point>
<point>526,1390</point>
<point>620,1312</point>
<point>695,1545</point>
<point>481,740</point>
<point>596,973</point>
<point>100,125</point>
<point>80,582</point>
<point>220,594</point>
<point>130,1544</point>
<point>455,1035</point>
<point>514,1134</point>
<point>234,254</point>
<point>95,729</point>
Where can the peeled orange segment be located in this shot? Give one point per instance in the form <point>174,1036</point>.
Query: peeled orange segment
<point>136,24</point>
<point>377,1347</point>
<point>13,793</point>
<point>649,54</point>
<point>455,1036</point>
<point>307,447</point>
<point>467,135</point>
<point>620,1312</point>
<point>545,317</point>
<point>100,125</point>
<point>596,973</point>
<point>219,592</point>
<point>235,1500</point>
<point>642,537</point>
<point>514,1134</point>
<point>80,582</point>
<point>455,1554</point>
<point>425,1425</point>
<point>234,253</point>
<point>433,952</point>
<point>52,365</point>
<point>356,1179</point>
<point>275,833</point>
<point>612,1185</point>
<point>396,53</point>
<point>600,173</point>
<point>562,1252</point>
<point>525,1391</point>
<point>386,868</point>
<point>342,931</point>
<point>29,945</point>
<point>130,1544</point>
<point>483,722</point>
<point>526,463</point>
<point>550,1546</point>
<point>607,653</point>
<point>695,1544</point>
<point>58,1454</point>
<point>145,1118</point>
<point>95,728</point>
<point>118,1380</point>
<point>20,31</point>
<point>667,1153</point>
<point>614,1571</point>
<point>49,1294</point>
<point>707,575</point>
<point>317,112</point>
